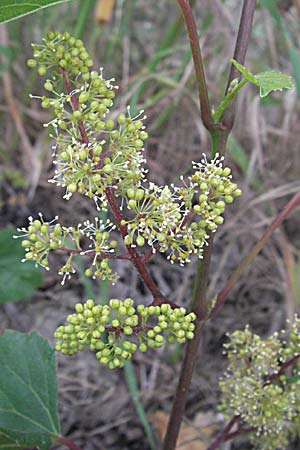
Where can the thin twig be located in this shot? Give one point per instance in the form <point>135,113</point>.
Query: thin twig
<point>223,435</point>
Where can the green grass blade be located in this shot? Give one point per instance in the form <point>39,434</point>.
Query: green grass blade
<point>84,9</point>
<point>133,389</point>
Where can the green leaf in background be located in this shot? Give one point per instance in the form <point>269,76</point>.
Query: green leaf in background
<point>273,81</point>
<point>28,392</point>
<point>17,280</point>
<point>267,81</point>
<point>11,9</point>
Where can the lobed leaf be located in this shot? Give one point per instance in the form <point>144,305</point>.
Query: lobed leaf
<point>273,81</point>
<point>267,81</point>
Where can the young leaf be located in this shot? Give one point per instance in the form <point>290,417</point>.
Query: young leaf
<point>267,81</point>
<point>28,392</point>
<point>17,280</point>
<point>12,9</point>
<point>273,81</point>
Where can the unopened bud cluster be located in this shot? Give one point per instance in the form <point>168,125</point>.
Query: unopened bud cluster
<point>256,389</point>
<point>117,330</point>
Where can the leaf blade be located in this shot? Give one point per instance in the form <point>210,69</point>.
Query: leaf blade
<point>272,80</point>
<point>28,392</point>
<point>12,9</point>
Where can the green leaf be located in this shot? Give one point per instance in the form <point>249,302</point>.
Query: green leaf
<point>17,280</point>
<point>12,9</point>
<point>248,75</point>
<point>267,81</point>
<point>28,392</point>
<point>273,81</point>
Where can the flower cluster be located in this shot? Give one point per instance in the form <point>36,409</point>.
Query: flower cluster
<point>95,154</point>
<point>178,220</point>
<point>258,388</point>
<point>108,330</point>
<point>43,237</point>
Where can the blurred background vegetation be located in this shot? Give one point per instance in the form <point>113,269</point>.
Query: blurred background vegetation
<point>143,45</point>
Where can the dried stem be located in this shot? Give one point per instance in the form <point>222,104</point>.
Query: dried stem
<point>253,253</point>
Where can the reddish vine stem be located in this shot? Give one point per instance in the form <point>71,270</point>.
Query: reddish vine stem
<point>136,259</point>
<point>242,40</point>
<point>68,443</point>
<point>198,307</point>
<point>75,105</point>
<point>223,435</point>
<point>283,367</point>
<point>199,69</point>
<point>219,134</point>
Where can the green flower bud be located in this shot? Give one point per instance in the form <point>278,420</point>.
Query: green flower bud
<point>48,86</point>
<point>122,119</point>
<point>108,168</point>
<point>88,272</point>
<point>132,204</point>
<point>140,241</point>
<point>31,63</point>
<point>109,124</point>
<point>77,115</point>
<point>42,70</point>
<point>83,97</point>
<point>138,143</point>
<point>139,194</point>
<point>72,188</point>
<point>128,330</point>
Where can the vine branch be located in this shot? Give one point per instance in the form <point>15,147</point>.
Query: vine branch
<point>219,134</point>
<point>241,46</point>
<point>198,64</point>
